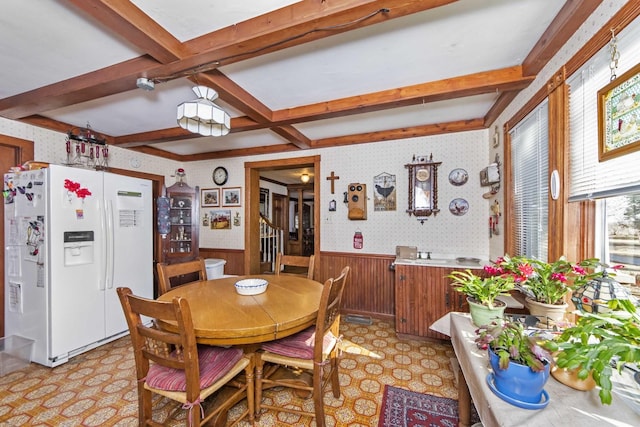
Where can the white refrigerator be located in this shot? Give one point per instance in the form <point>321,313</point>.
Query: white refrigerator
<point>72,236</point>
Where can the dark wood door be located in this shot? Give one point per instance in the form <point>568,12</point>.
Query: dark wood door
<point>13,151</point>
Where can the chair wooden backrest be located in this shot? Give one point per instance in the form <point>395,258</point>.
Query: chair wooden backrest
<point>169,273</point>
<point>294,352</point>
<point>171,351</point>
<point>174,350</point>
<point>295,261</point>
<point>328,319</point>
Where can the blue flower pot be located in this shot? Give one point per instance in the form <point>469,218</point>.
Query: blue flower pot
<point>518,381</point>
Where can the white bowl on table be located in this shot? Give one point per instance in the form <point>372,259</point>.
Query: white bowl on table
<point>251,286</point>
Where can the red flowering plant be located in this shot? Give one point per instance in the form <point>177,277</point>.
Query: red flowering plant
<point>510,341</point>
<point>545,282</point>
<point>74,187</point>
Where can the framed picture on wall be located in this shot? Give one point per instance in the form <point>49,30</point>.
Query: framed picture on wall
<point>619,115</point>
<point>210,197</point>
<point>385,192</point>
<point>231,197</point>
<point>220,219</point>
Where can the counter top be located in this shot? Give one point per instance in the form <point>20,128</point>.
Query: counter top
<point>442,262</point>
<point>566,405</point>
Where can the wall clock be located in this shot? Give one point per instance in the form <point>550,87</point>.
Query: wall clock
<point>220,175</point>
<point>423,187</point>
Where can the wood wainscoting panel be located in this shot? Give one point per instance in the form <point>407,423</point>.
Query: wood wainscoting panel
<point>234,257</point>
<point>370,289</point>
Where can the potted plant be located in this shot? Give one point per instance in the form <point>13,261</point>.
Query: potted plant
<point>545,284</point>
<point>482,292</point>
<point>600,342</point>
<point>520,363</point>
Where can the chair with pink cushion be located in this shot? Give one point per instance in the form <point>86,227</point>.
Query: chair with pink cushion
<point>172,365</point>
<point>313,350</point>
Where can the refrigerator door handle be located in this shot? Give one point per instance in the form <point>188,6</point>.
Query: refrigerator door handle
<point>110,246</point>
<point>103,243</point>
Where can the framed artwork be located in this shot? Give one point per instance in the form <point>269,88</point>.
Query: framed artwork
<point>210,197</point>
<point>619,116</point>
<point>220,219</point>
<point>231,197</point>
<point>384,194</point>
<point>264,201</point>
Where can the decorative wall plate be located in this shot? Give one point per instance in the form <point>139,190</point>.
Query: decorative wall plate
<point>459,207</point>
<point>458,177</point>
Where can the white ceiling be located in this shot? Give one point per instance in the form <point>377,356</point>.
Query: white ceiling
<point>47,42</point>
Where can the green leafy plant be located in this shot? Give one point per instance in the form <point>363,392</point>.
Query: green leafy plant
<point>511,343</point>
<point>545,282</point>
<point>484,290</point>
<point>598,343</point>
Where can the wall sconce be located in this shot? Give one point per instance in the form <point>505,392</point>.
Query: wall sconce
<point>304,178</point>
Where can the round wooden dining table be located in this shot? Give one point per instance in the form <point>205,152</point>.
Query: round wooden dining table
<point>221,316</point>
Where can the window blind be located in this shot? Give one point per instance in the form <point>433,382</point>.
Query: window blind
<point>530,165</point>
<point>589,178</point>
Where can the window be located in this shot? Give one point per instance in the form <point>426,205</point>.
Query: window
<point>614,183</point>
<point>621,234</point>
<point>530,165</point>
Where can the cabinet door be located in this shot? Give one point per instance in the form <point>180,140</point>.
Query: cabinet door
<point>182,241</point>
<point>405,300</point>
<point>440,298</point>
<point>423,295</point>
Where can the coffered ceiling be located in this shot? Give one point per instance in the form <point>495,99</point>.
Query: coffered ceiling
<point>292,75</point>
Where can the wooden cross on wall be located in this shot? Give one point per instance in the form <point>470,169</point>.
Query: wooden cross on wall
<point>332,178</point>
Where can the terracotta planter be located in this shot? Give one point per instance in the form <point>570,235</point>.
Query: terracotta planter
<point>570,378</point>
<point>483,315</point>
<point>554,312</point>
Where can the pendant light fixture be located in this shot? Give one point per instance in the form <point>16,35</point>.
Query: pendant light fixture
<point>304,178</point>
<point>202,115</point>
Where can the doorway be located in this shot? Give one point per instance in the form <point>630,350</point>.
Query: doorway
<point>252,205</point>
<point>13,152</point>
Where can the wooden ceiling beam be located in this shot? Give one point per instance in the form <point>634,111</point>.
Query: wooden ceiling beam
<point>299,23</point>
<point>238,124</point>
<point>403,133</point>
<point>126,20</point>
<point>394,134</point>
<point>97,84</point>
<point>234,95</point>
<point>245,40</point>
<point>499,106</point>
<point>506,79</point>
<point>241,152</point>
<point>293,135</point>
<point>572,15</point>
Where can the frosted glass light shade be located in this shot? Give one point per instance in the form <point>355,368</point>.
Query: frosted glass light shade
<point>202,115</point>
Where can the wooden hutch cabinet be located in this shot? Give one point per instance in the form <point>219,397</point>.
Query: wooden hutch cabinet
<point>181,244</point>
<point>423,295</point>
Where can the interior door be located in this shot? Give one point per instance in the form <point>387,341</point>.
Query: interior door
<point>280,216</point>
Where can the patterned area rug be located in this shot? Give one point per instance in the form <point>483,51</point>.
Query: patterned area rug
<point>404,408</point>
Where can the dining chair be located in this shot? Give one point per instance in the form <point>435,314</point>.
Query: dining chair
<point>182,370</point>
<point>296,261</point>
<point>169,274</point>
<point>313,350</point>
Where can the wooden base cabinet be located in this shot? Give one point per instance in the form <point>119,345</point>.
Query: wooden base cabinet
<point>423,295</point>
